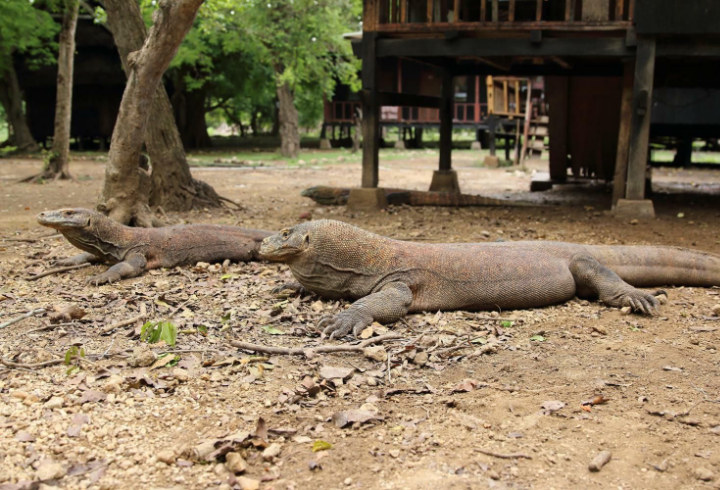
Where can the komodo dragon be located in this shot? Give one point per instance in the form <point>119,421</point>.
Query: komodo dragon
<point>135,250</point>
<point>338,196</point>
<point>390,278</point>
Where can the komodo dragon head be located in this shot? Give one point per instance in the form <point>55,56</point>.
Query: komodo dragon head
<point>86,229</point>
<point>287,244</point>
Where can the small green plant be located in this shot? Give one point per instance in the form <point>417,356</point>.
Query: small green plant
<point>153,332</point>
<point>506,324</point>
<point>71,356</point>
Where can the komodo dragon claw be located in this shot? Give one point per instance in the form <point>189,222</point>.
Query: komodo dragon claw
<point>337,326</point>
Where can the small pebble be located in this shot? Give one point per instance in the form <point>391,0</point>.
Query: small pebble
<point>703,474</point>
<point>602,458</point>
<point>235,463</point>
<point>54,402</point>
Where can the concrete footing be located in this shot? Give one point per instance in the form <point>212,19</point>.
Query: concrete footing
<point>476,145</point>
<point>366,199</point>
<point>400,145</point>
<point>444,181</point>
<point>634,208</point>
<point>325,144</point>
<point>491,161</point>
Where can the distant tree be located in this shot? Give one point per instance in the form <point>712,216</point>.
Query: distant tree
<point>58,164</point>
<point>168,183</point>
<point>125,196</point>
<point>302,41</point>
<point>24,29</point>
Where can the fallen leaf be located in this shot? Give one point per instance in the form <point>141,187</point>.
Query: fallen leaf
<point>91,396</point>
<point>551,406</point>
<point>269,329</point>
<point>321,446</point>
<point>164,360</point>
<point>78,420</point>
<point>359,416</point>
<point>467,385</point>
<point>331,372</point>
<point>66,314</point>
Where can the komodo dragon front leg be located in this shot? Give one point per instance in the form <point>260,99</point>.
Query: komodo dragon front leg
<point>79,259</point>
<point>133,265</point>
<point>592,279</point>
<point>387,305</point>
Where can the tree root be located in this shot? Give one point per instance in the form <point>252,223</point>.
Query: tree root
<point>311,351</point>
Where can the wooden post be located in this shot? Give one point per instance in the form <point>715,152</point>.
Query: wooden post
<point>619,6</point>
<point>528,117</point>
<point>569,10</point>
<point>511,11</point>
<point>621,161</point>
<point>557,91</point>
<point>640,126</point>
<point>483,10</point>
<point>456,11</point>
<point>538,10</point>
<point>495,11</point>
<point>446,122</point>
<point>370,111</point>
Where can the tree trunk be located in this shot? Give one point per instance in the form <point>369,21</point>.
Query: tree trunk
<point>123,198</point>
<point>189,110</point>
<point>58,166</point>
<point>170,183</point>
<point>288,116</point>
<point>12,100</point>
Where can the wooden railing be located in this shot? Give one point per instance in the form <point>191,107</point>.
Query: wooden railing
<point>409,15</point>
<point>342,112</point>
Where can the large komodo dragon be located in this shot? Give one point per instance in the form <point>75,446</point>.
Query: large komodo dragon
<point>390,278</point>
<point>135,250</point>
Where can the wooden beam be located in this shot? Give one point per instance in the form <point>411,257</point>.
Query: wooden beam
<point>505,96</point>
<point>621,160</point>
<point>528,117</point>
<point>456,11</point>
<point>403,11</point>
<point>511,11</point>
<point>446,122</point>
<point>411,100</point>
<point>370,15</point>
<point>483,10</point>
<point>640,126</point>
<point>609,47</point>
<point>495,11</point>
<point>429,11</point>
<point>561,62</point>
<point>371,112</point>
<point>619,10</point>
<point>538,11</point>
<point>557,91</point>
<point>569,10</point>
<point>631,10</point>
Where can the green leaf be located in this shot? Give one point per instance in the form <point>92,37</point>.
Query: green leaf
<point>272,330</point>
<point>73,353</point>
<point>225,277</point>
<point>202,330</point>
<point>537,338</point>
<point>153,332</point>
<point>321,446</point>
<point>506,323</point>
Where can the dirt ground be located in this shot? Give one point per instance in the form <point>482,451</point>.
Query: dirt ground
<point>511,399</point>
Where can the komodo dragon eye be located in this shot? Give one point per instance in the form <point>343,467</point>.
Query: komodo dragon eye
<point>285,233</point>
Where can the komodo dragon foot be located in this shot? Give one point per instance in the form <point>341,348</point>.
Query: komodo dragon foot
<point>594,279</point>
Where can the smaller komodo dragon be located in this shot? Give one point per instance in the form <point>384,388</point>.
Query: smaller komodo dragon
<point>389,278</point>
<point>135,250</point>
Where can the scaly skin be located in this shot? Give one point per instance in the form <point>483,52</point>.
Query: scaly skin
<point>390,278</point>
<point>332,196</point>
<point>135,250</point>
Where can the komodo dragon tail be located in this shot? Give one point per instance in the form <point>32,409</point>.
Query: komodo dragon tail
<point>660,265</point>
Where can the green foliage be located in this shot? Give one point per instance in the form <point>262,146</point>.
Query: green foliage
<point>321,445</point>
<point>237,52</point>
<point>153,332</point>
<point>26,27</point>
<point>71,356</point>
<point>506,324</point>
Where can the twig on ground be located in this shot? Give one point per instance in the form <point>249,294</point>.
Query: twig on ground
<point>501,455</point>
<point>31,365</point>
<point>310,351</point>
<point>22,317</point>
<point>57,270</point>
<point>125,323</point>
